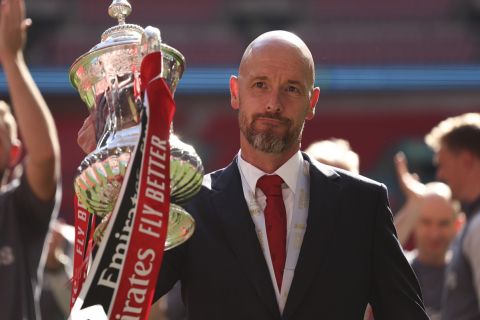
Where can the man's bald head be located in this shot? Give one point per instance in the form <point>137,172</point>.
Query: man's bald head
<point>278,40</point>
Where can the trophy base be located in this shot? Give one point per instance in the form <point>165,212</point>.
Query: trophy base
<point>180,227</point>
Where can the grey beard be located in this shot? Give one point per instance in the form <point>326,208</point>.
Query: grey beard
<point>266,142</point>
<point>269,143</point>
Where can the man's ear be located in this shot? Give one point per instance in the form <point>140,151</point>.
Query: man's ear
<point>234,92</point>
<point>313,103</point>
<point>15,153</point>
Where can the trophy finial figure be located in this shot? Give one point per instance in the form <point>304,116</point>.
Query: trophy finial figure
<point>120,9</point>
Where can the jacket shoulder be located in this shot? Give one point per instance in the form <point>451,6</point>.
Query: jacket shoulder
<point>343,175</point>
<point>211,178</point>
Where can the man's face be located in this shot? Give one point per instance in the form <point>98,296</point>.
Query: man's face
<point>451,170</point>
<point>435,229</point>
<point>274,96</point>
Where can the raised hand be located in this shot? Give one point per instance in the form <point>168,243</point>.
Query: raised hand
<point>409,182</point>
<point>13,26</point>
<point>414,191</point>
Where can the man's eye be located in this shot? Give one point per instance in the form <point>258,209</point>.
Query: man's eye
<point>259,85</point>
<point>293,89</point>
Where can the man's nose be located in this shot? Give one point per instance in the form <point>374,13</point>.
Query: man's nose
<point>435,233</point>
<point>274,103</point>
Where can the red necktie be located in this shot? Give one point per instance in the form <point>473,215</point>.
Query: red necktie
<point>275,222</point>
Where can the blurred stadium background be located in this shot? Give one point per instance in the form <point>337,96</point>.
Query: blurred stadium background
<point>388,70</point>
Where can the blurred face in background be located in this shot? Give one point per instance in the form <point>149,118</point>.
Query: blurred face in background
<point>9,143</point>
<point>435,229</point>
<point>6,143</point>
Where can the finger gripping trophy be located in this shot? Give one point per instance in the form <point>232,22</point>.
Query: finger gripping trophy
<point>107,79</point>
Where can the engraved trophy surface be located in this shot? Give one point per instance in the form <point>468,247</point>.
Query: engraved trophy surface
<point>107,79</point>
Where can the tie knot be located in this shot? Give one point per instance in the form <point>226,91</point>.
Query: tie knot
<point>271,185</point>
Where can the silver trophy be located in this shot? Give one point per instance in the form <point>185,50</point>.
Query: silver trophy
<point>106,78</point>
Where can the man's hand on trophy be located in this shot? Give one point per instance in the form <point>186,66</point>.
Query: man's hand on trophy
<point>86,135</point>
<point>13,26</point>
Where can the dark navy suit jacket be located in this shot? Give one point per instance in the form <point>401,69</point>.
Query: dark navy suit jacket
<point>350,256</point>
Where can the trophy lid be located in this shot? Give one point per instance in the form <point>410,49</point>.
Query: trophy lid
<point>120,52</point>
<point>122,33</point>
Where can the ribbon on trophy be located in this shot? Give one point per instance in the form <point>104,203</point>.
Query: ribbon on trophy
<point>121,280</point>
<point>83,246</point>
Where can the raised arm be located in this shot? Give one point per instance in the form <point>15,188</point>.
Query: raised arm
<point>413,191</point>
<point>34,119</point>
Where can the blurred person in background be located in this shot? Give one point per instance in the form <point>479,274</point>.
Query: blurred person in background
<point>456,142</point>
<point>433,218</point>
<point>26,199</point>
<point>335,152</point>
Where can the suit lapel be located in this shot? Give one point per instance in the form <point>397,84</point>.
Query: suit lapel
<point>231,207</point>
<point>317,241</point>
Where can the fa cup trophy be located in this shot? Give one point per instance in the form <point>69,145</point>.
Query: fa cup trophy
<point>105,79</point>
<point>111,81</point>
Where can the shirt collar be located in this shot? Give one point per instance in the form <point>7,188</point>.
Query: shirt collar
<point>288,171</point>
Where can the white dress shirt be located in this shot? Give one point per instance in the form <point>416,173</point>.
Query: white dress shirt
<point>295,192</point>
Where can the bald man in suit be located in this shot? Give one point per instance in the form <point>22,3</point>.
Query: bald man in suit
<point>324,253</point>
